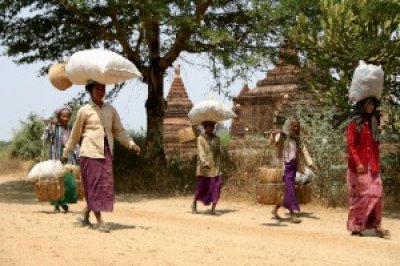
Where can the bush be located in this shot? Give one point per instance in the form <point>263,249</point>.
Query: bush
<point>327,144</point>
<point>27,143</point>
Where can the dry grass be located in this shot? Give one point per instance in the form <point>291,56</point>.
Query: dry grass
<point>10,165</point>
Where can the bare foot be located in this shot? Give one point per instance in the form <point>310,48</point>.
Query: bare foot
<point>382,233</point>
<point>194,208</point>
<point>275,214</point>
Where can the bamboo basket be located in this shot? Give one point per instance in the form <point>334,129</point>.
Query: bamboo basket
<point>49,189</point>
<point>270,193</point>
<point>270,175</point>
<point>79,188</point>
<point>187,134</point>
<point>303,193</point>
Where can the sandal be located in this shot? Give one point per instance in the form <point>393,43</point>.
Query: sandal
<point>382,233</point>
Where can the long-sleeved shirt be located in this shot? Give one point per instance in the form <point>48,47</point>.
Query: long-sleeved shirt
<point>57,136</point>
<point>208,157</point>
<point>92,125</point>
<point>300,154</point>
<point>362,148</point>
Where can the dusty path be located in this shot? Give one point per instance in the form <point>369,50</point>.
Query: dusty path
<point>163,232</point>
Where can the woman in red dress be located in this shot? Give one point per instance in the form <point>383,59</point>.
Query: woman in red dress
<point>365,192</point>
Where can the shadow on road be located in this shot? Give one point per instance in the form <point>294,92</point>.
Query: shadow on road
<point>17,192</point>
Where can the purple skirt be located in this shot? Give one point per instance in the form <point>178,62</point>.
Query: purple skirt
<point>289,200</point>
<point>98,182</point>
<point>208,189</point>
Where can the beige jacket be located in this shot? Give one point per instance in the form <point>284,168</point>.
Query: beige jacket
<point>209,156</point>
<point>92,125</point>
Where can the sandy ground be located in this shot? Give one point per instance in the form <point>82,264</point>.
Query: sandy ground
<point>151,231</point>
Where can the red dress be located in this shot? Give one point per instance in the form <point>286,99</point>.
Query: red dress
<point>365,192</point>
<point>362,148</point>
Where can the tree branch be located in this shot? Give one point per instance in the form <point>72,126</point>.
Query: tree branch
<point>183,35</point>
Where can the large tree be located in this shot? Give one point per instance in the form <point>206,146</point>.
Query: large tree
<point>150,33</point>
<point>337,34</point>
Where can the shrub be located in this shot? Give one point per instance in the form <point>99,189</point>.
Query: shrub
<point>8,164</point>
<point>327,144</point>
<point>26,143</point>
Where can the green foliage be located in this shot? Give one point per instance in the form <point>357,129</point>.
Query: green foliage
<point>4,145</point>
<point>225,137</point>
<point>136,174</point>
<point>327,144</point>
<point>152,34</point>
<point>390,173</point>
<point>340,33</point>
<point>26,143</point>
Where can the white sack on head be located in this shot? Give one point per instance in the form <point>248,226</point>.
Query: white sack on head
<point>51,169</point>
<point>103,66</point>
<point>210,110</point>
<point>367,82</point>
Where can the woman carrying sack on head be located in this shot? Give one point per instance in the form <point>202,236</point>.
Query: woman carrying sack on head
<point>364,184</point>
<point>96,126</point>
<point>56,135</point>
<point>365,191</point>
<point>209,183</point>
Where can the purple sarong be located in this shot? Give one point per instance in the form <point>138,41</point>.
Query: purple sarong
<point>208,189</point>
<point>290,201</point>
<point>98,183</point>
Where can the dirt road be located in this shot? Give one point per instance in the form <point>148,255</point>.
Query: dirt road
<point>148,231</point>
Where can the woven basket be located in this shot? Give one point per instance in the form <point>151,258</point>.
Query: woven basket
<point>270,193</point>
<point>79,188</point>
<point>270,175</point>
<point>187,134</point>
<point>47,190</point>
<point>58,77</point>
<point>303,193</point>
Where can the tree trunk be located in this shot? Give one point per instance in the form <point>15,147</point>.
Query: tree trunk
<point>155,109</point>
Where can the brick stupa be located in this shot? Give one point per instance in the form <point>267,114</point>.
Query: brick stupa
<point>178,107</point>
<point>264,108</point>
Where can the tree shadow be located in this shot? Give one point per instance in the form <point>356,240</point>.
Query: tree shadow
<point>20,192</point>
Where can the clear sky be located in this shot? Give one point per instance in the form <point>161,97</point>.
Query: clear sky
<point>24,92</point>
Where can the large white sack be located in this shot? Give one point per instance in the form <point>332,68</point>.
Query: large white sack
<point>210,110</point>
<point>50,169</point>
<point>100,65</point>
<point>367,82</point>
